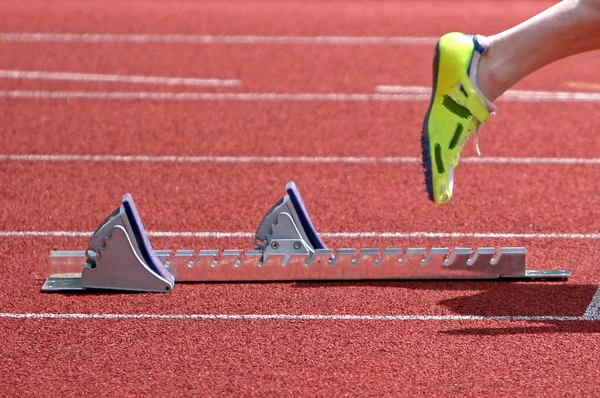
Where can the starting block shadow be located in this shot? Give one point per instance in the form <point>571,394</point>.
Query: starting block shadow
<point>537,327</point>
<point>527,300</point>
<point>493,298</point>
<point>520,299</point>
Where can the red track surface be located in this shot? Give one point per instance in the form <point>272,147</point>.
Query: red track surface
<point>293,357</point>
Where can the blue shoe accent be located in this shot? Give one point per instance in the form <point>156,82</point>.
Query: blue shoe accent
<point>478,47</point>
<point>305,220</point>
<point>426,162</point>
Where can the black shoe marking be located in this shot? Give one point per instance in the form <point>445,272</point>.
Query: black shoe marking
<point>438,159</point>
<point>455,107</point>
<point>456,136</point>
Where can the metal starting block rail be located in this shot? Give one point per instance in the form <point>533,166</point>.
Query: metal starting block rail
<point>119,256</point>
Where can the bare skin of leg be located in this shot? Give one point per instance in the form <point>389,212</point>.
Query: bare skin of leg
<point>568,28</point>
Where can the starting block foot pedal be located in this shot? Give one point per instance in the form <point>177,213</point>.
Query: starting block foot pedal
<point>119,257</point>
<point>287,248</point>
<point>287,228</point>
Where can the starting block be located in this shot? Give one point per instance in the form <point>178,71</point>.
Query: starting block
<point>120,256</point>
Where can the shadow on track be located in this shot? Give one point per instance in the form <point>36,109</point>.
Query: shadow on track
<point>546,327</point>
<point>501,298</point>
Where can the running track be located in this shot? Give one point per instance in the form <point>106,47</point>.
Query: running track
<point>203,111</point>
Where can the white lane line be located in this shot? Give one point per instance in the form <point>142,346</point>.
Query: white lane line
<point>593,310</point>
<point>94,77</point>
<point>295,317</point>
<point>387,88</point>
<point>213,39</point>
<point>333,235</point>
<point>522,96</point>
<point>510,95</point>
<point>286,159</point>
<point>197,96</point>
<point>156,234</point>
<point>203,159</point>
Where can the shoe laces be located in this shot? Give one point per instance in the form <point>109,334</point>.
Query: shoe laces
<point>476,133</point>
<point>476,139</point>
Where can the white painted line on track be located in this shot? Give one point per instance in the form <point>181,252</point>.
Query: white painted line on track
<point>387,88</point>
<point>457,235</point>
<point>213,39</point>
<point>287,159</point>
<point>197,96</point>
<point>202,159</point>
<point>94,77</point>
<point>295,317</point>
<point>157,234</point>
<point>510,95</point>
<point>522,96</point>
<point>332,235</point>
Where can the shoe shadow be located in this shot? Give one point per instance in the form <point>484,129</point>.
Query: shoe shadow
<point>505,299</point>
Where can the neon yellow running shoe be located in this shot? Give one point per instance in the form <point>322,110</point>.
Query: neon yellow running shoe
<point>457,110</point>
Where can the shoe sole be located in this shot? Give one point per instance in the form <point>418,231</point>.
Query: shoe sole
<point>425,148</point>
